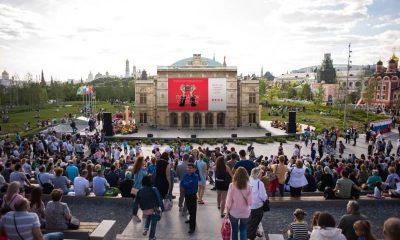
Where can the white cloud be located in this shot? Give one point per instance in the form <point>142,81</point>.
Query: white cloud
<point>70,38</point>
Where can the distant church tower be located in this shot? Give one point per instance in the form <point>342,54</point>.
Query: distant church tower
<point>262,71</point>
<point>134,73</point>
<point>127,70</point>
<point>42,81</point>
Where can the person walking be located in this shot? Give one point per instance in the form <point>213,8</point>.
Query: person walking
<point>223,177</point>
<point>238,202</point>
<point>162,179</point>
<point>259,196</point>
<point>189,184</point>
<point>149,200</point>
<point>201,171</point>
<point>181,171</point>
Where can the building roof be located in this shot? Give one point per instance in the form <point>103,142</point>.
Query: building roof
<point>204,62</point>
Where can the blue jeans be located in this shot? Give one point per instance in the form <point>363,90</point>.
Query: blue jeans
<point>239,225</point>
<point>53,236</point>
<point>152,226</point>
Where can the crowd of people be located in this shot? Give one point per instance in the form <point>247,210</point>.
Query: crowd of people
<point>80,166</point>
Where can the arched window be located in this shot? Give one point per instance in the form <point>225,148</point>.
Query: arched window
<point>185,120</point>
<point>221,119</point>
<point>173,120</point>
<point>197,120</point>
<point>209,120</point>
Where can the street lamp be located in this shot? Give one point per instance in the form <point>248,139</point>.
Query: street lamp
<point>347,87</point>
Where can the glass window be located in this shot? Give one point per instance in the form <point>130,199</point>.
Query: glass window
<point>143,98</point>
<point>252,98</point>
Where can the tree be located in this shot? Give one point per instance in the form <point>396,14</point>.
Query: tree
<point>306,92</point>
<point>370,92</point>
<point>319,95</point>
<point>292,93</point>
<point>273,92</point>
<point>262,87</point>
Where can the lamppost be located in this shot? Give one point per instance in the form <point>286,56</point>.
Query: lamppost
<point>347,87</point>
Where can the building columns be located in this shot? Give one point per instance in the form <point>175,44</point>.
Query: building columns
<point>214,120</point>
<point>203,120</point>
<point>191,119</point>
<point>179,120</point>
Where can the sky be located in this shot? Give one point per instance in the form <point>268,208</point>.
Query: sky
<point>67,39</point>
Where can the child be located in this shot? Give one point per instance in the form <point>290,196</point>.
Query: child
<point>362,228</point>
<point>298,229</point>
<point>377,191</point>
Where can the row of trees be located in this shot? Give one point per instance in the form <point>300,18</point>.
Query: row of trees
<point>291,90</point>
<point>34,94</point>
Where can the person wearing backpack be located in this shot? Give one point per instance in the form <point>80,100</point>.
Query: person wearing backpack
<point>11,197</point>
<point>149,200</point>
<point>201,171</point>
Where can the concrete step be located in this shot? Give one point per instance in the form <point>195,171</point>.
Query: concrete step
<point>127,237</point>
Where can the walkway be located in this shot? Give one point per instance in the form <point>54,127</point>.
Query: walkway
<point>172,224</point>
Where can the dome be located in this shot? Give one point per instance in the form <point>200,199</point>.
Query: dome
<point>392,61</point>
<point>4,72</point>
<point>379,62</point>
<point>189,62</point>
<point>395,58</point>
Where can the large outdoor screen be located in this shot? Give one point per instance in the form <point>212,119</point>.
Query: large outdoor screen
<point>196,94</point>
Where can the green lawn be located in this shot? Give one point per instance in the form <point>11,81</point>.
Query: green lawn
<point>21,115</point>
<point>312,116</point>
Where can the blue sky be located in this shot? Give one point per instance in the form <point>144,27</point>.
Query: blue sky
<point>70,38</point>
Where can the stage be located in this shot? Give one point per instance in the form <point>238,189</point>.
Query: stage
<point>265,130</point>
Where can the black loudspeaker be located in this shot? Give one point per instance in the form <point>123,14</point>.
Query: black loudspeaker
<point>193,136</point>
<point>268,134</point>
<point>234,135</point>
<point>107,124</point>
<point>292,122</point>
<point>149,135</point>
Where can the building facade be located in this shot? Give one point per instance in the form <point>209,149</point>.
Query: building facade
<point>197,93</point>
<point>386,83</point>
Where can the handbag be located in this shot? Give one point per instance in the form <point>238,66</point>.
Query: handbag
<point>168,203</point>
<point>156,216</point>
<point>265,205</point>
<point>47,188</point>
<point>74,223</point>
<point>287,177</point>
<point>134,191</point>
<point>226,229</point>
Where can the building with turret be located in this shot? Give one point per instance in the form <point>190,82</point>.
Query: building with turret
<point>386,82</point>
<point>326,72</point>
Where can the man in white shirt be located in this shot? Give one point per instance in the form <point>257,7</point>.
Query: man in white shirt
<point>81,184</point>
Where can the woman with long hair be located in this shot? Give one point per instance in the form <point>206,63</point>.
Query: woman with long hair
<point>12,196</point>
<point>362,228</point>
<point>238,202</point>
<point>37,205</point>
<point>223,177</point>
<point>326,227</point>
<point>139,171</point>
<point>259,196</point>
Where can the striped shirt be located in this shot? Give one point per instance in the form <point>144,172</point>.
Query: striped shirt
<point>299,230</point>
<point>24,222</point>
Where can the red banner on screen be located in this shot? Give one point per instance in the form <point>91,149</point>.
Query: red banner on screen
<point>187,94</point>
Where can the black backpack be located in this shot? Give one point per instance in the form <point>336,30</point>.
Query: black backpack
<point>47,188</point>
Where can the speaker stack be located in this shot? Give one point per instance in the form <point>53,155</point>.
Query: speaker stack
<point>107,124</point>
<point>292,122</point>
<point>193,136</point>
<point>149,135</point>
<point>234,135</point>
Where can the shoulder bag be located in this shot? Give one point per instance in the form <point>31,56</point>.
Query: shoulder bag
<point>265,206</point>
<point>46,187</point>
<point>288,176</point>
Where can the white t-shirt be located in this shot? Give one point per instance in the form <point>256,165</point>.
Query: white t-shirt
<point>80,184</point>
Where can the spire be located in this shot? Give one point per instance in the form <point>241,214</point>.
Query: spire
<point>214,57</point>
<point>42,81</point>
<point>262,71</point>
<point>224,61</point>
